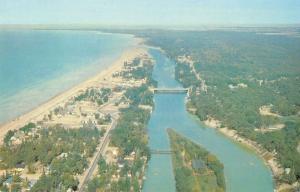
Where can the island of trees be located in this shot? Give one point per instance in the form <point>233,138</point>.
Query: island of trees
<point>195,169</point>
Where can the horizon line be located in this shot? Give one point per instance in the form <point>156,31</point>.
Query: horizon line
<point>117,26</point>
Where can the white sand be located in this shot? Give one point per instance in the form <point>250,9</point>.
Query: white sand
<point>104,76</point>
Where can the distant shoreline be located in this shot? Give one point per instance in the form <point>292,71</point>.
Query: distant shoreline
<point>167,27</point>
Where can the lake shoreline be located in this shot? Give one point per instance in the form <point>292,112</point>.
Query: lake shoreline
<point>38,112</point>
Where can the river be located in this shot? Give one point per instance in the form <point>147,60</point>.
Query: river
<point>244,170</point>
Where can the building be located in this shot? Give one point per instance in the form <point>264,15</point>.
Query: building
<point>198,164</point>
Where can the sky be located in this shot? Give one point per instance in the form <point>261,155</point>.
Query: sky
<point>150,12</point>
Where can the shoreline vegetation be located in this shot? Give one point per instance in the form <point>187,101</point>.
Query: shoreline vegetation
<point>269,158</point>
<point>195,168</point>
<point>56,145</point>
<point>247,85</point>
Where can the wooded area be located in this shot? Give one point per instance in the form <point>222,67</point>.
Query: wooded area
<point>242,72</point>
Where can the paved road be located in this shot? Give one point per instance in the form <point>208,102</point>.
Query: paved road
<point>92,168</point>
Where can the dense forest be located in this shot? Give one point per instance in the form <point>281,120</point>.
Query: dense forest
<point>233,75</point>
<point>195,168</point>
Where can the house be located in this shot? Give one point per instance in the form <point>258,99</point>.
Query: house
<point>131,157</point>
<point>287,170</point>
<point>62,155</point>
<point>198,164</point>
<point>120,165</point>
<point>115,177</point>
<point>20,167</point>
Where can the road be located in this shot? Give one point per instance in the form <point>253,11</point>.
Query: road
<point>106,139</point>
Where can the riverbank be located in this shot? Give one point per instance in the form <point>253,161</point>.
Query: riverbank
<point>104,77</point>
<point>268,157</point>
<point>170,112</point>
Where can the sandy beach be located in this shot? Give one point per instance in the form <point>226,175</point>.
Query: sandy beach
<point>103,77</point>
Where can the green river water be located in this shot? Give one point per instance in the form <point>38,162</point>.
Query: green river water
<point>244,170</point>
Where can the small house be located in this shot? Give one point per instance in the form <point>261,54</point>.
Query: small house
<point>198,164</point>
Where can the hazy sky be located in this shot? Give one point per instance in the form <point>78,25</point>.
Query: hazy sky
<point>150,12</point>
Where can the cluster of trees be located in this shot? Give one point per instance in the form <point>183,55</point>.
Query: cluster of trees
<point>208,177</point>
<point>103,120</point>
<point>95,95</point>
<point>184,75</point>
<point>140,95</point>
<point>285,143</point>
<point>8,136</point>
<point>130,133</point>
<point>106,171</point>
<point>129,136</point>
<point>135,62</point>
<point>140,72</point>
<point>62,152</point>
<point>27,128</point>
<point>267,64</point>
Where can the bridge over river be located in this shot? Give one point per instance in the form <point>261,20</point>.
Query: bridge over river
<point>161,152</point>
<point>170,90</point>
<point>243,169</point>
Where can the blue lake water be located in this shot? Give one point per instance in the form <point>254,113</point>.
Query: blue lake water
<point>36,65</point>
<point>244,170</point>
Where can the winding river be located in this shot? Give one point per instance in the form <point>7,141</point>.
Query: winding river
<point>244,170</point>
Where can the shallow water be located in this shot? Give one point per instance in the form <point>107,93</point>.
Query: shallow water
<point>244,170</point>
<point>37,65</point>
